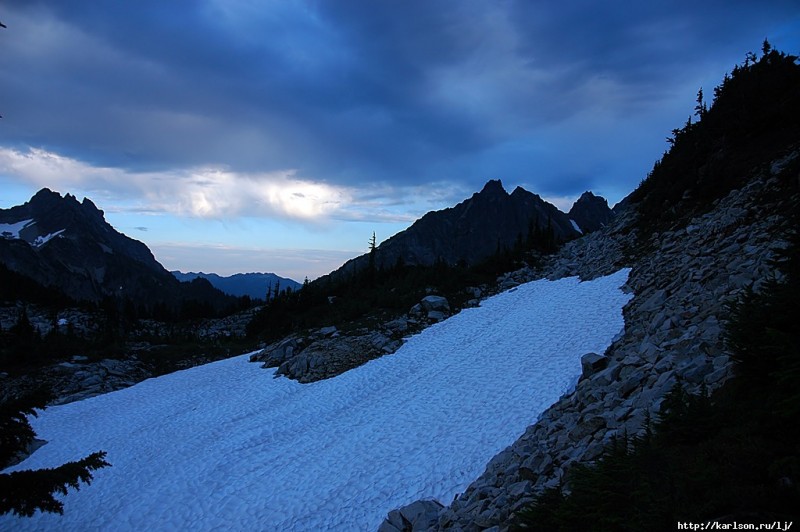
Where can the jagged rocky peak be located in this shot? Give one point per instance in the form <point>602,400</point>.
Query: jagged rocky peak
<point>590,212</point>
<point>519,191</point>
<point>46,199</point>
<point>43,204</point>
<point>89,206</point>
<point>493,187</point>
<point>45,194</point>
<point>71,245</point>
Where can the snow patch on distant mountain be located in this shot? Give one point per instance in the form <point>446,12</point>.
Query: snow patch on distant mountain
<point>575,225</point>
<point>12,230</point>
<point>226,446</point>
<point>40,241</point>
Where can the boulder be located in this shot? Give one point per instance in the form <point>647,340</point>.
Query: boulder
<point>436,315</point>
<point>276,354</point>
<point>436,303</point>
<point>398,326</point>
<point>591,363</point>
<point>586,427</point>
<point>419,515</point>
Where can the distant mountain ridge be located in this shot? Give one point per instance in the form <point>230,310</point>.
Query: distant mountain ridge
<point>476,228</point>
<point>254,285</point>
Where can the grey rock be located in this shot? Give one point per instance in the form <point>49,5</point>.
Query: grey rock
<point>654,302</point>
<point>518,489</point>
<point>436,315</point>
<point>393,523</point>
<point>697,371</point>
<point>92,381</point>
<point>509,283</point>
<point>327,331</point>
<point>591,363</point>
<point>278,353</point>
<point>419,515</point>
<point>587,427</point>
<point>400,325</point>
<point>435,303</point>
<point>631,383</point>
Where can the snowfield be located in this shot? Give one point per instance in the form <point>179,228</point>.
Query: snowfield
<point>226,446</point>
<point>12,230</point>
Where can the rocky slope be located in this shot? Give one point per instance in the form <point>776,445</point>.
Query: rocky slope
<point>701,228</point>
<point>682,280</point>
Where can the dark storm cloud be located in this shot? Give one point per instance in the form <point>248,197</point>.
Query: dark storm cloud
<point>356,92</point>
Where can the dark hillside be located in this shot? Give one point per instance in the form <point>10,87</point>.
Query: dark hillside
<point>489,222</point>
<point>754,117</point>
<point>56,241</point>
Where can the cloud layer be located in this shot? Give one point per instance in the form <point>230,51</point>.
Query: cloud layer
<point>322,114</point>
<point>215,192</point>
<point>350,93</point>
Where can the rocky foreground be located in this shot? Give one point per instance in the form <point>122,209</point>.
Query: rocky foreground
<point>682,281</point>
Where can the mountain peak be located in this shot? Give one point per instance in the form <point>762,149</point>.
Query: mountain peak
<point>45,193</point>
<point>45,198</point>
<point>72,246</point>
<point>590,212</point>
<point>494,187</point>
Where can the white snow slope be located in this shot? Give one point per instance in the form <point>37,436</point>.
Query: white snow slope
<point>226,446</point>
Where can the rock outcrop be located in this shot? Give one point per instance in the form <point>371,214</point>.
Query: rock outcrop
<point>328,352</point>
<point>419,515</point>
<point>77,379</point>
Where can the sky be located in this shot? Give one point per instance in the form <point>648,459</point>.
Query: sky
<point>253,135</point>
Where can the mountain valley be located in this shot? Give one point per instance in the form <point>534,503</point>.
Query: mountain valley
<point>709,231</point>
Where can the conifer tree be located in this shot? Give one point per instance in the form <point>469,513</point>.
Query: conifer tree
<point>25,492</point>
<point>766,47</point>
<point>700,109</point>
<point>371,265</point>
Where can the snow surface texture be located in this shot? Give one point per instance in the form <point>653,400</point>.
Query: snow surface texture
<point>226,446</point>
